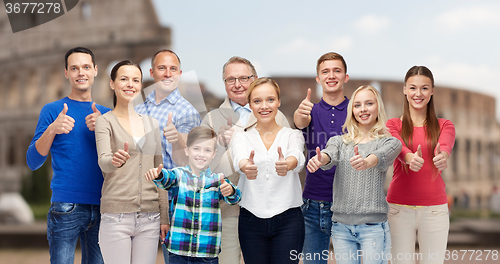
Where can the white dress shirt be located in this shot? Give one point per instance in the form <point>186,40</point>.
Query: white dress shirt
<point>269,194</point>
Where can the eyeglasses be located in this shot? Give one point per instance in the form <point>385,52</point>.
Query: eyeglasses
<point>242,79</point>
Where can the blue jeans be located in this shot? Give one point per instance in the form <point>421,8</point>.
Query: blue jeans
<point>370,241</point>
<point>318,223</point>
<point>272,240</point>
<point>68,222</point>
<point>178,259</point>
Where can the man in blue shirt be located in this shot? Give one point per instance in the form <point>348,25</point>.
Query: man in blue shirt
<point>318,123</point>
<point>66,129</point>
<point>175,115</point>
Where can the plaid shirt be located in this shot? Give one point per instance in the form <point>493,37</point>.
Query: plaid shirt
<point>196,225</point>
<point>184,117</point>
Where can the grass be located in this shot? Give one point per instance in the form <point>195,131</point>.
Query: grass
<point>40,210</point>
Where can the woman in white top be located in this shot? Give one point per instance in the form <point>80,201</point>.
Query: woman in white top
<point>269,158</point>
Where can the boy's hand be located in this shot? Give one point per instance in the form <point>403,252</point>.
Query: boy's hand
<point>315,162</point>
<point>281,165</point>
<point>305,106</point>
<point>225,188</point>
<point>153,173</point>
<point>121,156</point>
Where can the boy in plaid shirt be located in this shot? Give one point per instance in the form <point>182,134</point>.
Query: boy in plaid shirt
<point>195,231</point>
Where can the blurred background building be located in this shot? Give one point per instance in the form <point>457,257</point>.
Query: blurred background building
<point>32,74</point>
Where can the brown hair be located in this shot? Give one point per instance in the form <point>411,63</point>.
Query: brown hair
<point>431,123</point>
<point>236,59</point>
<point>261,81</point>
<point>330,56</point>
<point>114,72</point>
<point>201,132</point>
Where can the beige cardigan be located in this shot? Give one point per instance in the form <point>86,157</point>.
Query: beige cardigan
<point>125,189</point>
<point>223,161</point>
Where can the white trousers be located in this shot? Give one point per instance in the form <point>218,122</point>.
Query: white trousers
<point>230,244</point>
<point>428,224</point>
<point>129,238</point>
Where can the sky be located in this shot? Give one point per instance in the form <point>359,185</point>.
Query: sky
<point>458,40</point>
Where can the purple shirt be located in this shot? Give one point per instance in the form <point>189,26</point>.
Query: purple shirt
<point>326,122</point>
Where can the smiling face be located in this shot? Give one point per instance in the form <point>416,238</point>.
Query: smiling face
<point>418,90</point>
<point>200,153</point>
<point>264,102</point>
<point>365,109</point>
<point>80,72</point>
<point>237,91</point>
<point>127,84</point>
<point>166,72</point>
<point>332,76</point>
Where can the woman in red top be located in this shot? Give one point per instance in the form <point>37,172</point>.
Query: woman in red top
<point>417,196</point>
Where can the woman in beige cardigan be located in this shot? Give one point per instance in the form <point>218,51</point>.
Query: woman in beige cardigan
<point>128,145</point>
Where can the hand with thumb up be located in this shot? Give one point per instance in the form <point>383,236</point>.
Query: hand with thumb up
<point>281,164</point>
<point>121,156</point>
<point>440,158</point>
<point>63,123</point>
<point>249,167</point>
<point>317,161</point>
<point>153,173</point>
<point>225,188</point>
<point>169,131</point>
<point>358,162</point>
<point>416,161</point>
<point>226,133</point>
<point>90,119</point>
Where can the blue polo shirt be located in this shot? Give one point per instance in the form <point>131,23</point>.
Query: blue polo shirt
<point>326,122</point>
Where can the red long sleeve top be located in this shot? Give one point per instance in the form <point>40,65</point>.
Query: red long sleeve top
<point>419,188</point>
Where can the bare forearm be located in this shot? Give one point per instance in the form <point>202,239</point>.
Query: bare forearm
<point>178,153</point>
<point>44,143</point>
<point>301,122</point>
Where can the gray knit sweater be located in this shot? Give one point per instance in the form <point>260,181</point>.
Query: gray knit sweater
<point>359,196</point>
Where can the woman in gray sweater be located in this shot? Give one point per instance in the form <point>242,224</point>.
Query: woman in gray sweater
<point>362,156</point>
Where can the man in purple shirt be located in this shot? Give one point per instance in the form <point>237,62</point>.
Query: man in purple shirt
<point>318,123</point>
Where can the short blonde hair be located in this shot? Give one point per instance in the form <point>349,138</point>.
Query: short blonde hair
<point>351,126</point>
<point>261,81</point>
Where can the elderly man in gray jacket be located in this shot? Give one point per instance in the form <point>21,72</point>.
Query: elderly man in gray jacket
<point>233,116</point>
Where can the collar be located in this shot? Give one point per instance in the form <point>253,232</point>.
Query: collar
<point>172,98</point>
<point>203,173</point>
<point>340,106</point>
<point>236,106</point>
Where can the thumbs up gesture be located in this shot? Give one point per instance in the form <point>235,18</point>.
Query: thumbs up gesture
<point>305,106</point>
<point>440,158</point>
<point>169,131</point>
<point>225,188</point>
<point>63,123</point>
<point>153,173</point>
<point>250,169</point>
<point>226,133</point>
<point>316,161</point>
<point>121,156</point>
<point>90,119</point>
<point>417,161</point>
<point>281,164</point>
<point>358,162</point>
